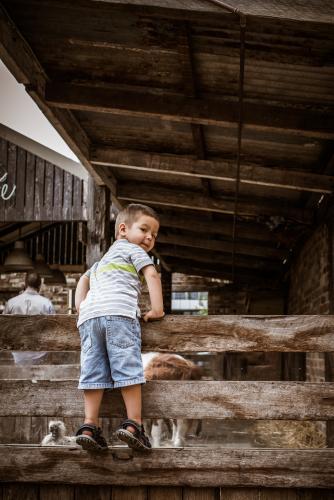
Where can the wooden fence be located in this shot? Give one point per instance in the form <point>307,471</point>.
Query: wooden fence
<point>215,471</point>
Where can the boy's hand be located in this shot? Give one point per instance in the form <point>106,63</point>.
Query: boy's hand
<point>153,315</point>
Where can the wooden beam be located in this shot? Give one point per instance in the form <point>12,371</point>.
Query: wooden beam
<point>176,333</point>
<point>143,192</point>
<point>223,226</point>
<point>224,170</point>
<point>219,258</point>
<point>162,399</point>
<point>244,277</point>
<point>217,466</point>
<point>199,240</point>
<point>213,111</point>
<point>315,11</point>
<point>98,222</point>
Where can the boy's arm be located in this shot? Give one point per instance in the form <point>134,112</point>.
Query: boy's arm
<point>81,291</point>
<point>155,290</point>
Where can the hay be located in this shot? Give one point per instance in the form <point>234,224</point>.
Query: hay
<point>288,434</point>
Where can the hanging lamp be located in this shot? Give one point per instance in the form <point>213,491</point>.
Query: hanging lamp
<point>41,267</point>
<point>57,278</point>
<point>18,260</point>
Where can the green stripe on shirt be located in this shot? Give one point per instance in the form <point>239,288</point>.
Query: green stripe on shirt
<point>117,267</point>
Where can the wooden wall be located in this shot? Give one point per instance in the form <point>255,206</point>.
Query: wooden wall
<point>43,192</point>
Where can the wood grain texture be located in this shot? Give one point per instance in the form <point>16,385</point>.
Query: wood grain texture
<point>161,399</point>
<point>174,467</point>
<point>182,333</point>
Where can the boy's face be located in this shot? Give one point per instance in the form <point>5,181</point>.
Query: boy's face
<point>143,232</point>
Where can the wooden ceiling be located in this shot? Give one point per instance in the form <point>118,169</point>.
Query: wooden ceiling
<point>147,93</point>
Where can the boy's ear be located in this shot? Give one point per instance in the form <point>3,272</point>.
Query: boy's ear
<point>122,228</point>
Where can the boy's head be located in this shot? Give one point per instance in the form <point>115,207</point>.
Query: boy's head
<point>138,224</point>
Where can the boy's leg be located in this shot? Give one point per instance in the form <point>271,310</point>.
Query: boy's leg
<point>93,399</point>
<point>132,400</point>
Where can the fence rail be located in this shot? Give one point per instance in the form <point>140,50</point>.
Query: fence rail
<point>182,333</point>
<point>213,466</point>
<point>178,399</point>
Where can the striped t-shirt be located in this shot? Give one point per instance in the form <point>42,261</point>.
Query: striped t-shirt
<point>114,282</point>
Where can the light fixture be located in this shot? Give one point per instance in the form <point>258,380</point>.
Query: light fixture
<point>18,260</point>
<point>41,267</point>
<point>58,278</point>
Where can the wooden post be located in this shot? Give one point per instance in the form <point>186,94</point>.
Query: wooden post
<point>329,356</point>
<point>98,225</point>
<point>166,281</point>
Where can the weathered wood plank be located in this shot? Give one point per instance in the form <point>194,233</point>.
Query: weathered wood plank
<point>182,333</point>
<point>312,11</point>
<point>197,241</point>
<point>40,372</point>
<point>93,493</point>
<point>165,493</point>
<point>205,399</point>
<point>21,492</point>
<point>3,170</point>
<point>217,170</point>
<point>190,493</point>
<point>11,181</point>
<point>129,493</point>
<point>218,112</point>
<point>56,492</point>
<point>30,187</point>
<point>145,193</point>
<point>215,466</point>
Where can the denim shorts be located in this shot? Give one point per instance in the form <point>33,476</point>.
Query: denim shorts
<point>110,353</point>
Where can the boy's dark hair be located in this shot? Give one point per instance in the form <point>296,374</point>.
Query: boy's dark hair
<point>33,280</point>
<point>131,213</point>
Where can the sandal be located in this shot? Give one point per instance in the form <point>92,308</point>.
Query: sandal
<point>94,442</point>
<point>137,439</point>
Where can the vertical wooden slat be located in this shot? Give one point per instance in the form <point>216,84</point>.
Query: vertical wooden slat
<point>278,494</point>
<point>240,494</point>
<point>10,214</point>
<point>20,184</point>
<point>293,366</point>
<point>200,493</point>
<point>23,430</point>
<point>48,190</point>
<point>3,169</point>
<point>39,429</point>
<point>30,188</point>
<point>164,493</point>
<point>98,225</point>
<point>56,492</point>
<point>58,194</point>
<point>39,189</point>
<point>92,493</point>
<point>129,493</point>
<point>77,196</point>
<point>67,196</point>
<point>14,491</point>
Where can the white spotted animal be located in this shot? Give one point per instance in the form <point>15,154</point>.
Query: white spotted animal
<point>160,366</point>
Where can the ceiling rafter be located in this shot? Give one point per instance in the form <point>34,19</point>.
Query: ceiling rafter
<point>145,193</point>
<point>221,170</point>
<point>202,111</point>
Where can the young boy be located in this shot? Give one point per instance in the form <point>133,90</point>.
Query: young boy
<point>107,302</point>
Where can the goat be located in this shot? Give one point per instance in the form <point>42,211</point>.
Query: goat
<point>169,367</point>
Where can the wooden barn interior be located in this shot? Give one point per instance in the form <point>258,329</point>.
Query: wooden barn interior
<point>220,116</point>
